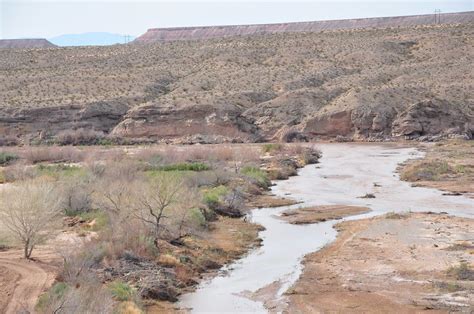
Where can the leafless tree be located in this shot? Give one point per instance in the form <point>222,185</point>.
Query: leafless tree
<point>30,211</point>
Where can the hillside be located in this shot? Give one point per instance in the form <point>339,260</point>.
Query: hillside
<point>25,43</point>
<point>368,84</point>
<point>208,32</point>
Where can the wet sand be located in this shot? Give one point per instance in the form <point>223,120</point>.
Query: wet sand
<point>315,214</point>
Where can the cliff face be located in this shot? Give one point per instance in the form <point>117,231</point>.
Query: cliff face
<point>368,84</point>
<point>25,43</point>
<point>196,33</point>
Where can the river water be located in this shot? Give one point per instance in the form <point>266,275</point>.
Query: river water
<point>345,172</point>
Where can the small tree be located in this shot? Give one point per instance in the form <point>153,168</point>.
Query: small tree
<point>30,212</point>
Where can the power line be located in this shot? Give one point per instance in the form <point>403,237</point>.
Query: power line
<point>437,16</point>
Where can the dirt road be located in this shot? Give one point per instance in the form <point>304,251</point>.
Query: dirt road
<point>23,281</point>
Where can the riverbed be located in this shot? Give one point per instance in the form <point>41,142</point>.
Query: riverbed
<point>345,174</point>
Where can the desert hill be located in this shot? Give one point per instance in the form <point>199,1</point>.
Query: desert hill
<point>207,32</point>
<point>25,43</point>
<point>368,84</point>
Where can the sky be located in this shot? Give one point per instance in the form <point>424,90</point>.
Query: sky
<point>49,18</point>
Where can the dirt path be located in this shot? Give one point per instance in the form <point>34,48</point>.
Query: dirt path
<point>23,281</point>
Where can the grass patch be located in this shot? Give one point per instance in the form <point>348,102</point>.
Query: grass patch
<point>121,291</point>
<point>60,170</point>
<point>6,158</point>
<point>260,176</point>
<point>186,166</point>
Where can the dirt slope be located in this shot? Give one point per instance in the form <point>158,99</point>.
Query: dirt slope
<point>411,82</point>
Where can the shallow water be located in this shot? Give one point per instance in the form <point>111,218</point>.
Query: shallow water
<point>346,172</point>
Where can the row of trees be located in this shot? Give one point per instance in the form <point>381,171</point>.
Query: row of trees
<point>32,210</point>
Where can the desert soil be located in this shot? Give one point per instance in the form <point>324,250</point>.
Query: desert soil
<point>314,214</point>
<point>394,263</point>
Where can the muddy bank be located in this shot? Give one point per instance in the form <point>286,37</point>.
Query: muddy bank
<point>315,214</point>
<point>394,263</point>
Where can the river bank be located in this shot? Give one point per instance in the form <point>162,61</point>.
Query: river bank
<point>391,264</point>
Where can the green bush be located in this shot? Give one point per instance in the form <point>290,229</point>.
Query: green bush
<point>260,176</point>
<point>121,291</point>
<point>6,158</point>
<point>212,197</point>
<point>197,218</point>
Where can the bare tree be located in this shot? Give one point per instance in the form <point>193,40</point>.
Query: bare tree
<point>30,212</point>
<point>156,201</point>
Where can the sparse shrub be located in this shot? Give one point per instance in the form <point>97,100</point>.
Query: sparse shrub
<point>7,158</point>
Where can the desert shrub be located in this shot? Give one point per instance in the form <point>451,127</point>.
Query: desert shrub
<point>8,140</point>
<point>461,272</point>
<point>53,154</point>
<point>7,157</point>
<point>80,137</point>
<point>255,173</point>
<point>121,291</point>
<point>272,147</point>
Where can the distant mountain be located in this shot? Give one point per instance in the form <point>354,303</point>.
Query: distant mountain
<point>90,39</point>
<point>25,43</point>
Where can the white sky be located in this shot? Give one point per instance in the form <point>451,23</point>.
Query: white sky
<point>49,18</point>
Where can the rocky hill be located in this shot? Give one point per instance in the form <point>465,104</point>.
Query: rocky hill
<point>208,32</point>
<point>25,43</point>
<point>366,84</point>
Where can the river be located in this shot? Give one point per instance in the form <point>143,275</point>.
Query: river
<point>345,172</point>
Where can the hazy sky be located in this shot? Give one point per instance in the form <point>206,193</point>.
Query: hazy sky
<point>48,18</point>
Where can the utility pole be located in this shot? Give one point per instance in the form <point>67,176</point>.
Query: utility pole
<point>437,16</point>
<point>126,38</point>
